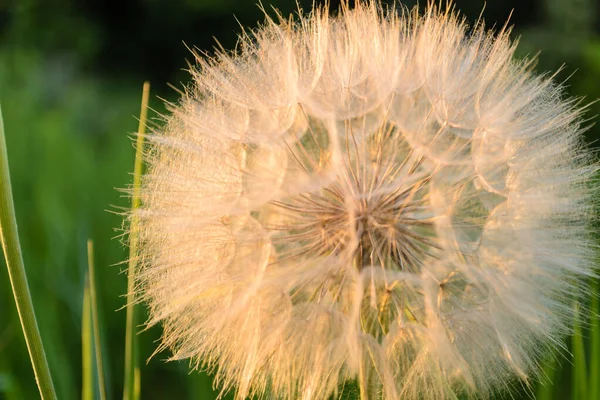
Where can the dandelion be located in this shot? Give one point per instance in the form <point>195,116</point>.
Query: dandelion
<point>378,197</point>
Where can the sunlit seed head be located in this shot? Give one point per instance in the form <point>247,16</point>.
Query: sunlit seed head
<point>374,210</point>
<point>375,197</point>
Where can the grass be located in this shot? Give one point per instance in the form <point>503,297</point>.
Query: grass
<point>93,305</point>
<point>132,369</point>
<point>18,277</point>
<point>68,140</point>
<point>87,348</point>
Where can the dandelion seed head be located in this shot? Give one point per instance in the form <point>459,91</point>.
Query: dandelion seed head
<point>378,196</point>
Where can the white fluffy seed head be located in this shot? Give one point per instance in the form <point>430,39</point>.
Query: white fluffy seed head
<point>376,197</point>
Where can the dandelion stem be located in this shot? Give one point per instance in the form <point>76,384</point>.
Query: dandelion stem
<point>131,362</point>
<point>18,277</point>
<point>365,379</point>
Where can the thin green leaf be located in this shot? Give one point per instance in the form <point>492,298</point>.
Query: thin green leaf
<point>95,320</point>
<point>545,389</point>
<point>594,388</point>
<point>18,278</point>
<point>87,368</point>
<point>131,357</point>
<point>579,371</point>
<point>137,386</point>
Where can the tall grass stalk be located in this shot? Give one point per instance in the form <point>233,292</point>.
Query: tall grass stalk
<point>131,390</point>
<point>87,368</point>
<point>95,320</point>
<point>594,387</point>
<point>579,370</point>
<point>18,277</point>
<point>546,387</point>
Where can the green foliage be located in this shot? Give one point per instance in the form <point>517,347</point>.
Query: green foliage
<point>69,149</point>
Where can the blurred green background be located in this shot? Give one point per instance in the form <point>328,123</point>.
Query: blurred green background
<point>71,74</point>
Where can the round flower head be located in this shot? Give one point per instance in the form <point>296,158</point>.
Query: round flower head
<point>377,197</point>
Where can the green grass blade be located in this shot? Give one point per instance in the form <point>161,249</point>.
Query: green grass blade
<point>95,320</point>
<point>579,371</point>
<point>137,386</point>
<point>594,387</point>
<point>18,277</point>
<point>87,368</point>
<point>545,389</point>
<point>131,358</point>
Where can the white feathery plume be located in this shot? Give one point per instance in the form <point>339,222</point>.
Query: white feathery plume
<point>378,197</point>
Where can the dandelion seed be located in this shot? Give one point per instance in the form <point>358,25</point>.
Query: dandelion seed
<point>376,197</point>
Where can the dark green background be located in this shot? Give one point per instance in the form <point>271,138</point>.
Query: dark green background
<point>70,82</point>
